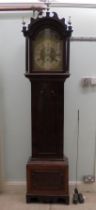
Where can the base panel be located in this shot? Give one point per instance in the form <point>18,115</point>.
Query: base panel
<point>48,199</point>
<point>47,181</point>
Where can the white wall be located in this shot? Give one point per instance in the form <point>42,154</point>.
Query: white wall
<point>15,99</point>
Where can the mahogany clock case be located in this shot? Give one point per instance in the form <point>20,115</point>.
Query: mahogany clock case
<point>47,68</point>
<point>47,181</point>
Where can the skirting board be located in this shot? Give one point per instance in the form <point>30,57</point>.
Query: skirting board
<point>1,163</point>
<point>20,187</point>
<point>1,186</point>
<point>15,187</point>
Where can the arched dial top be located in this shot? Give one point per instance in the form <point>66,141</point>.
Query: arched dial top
<point>47,51</point>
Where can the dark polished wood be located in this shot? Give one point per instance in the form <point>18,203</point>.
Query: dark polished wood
<point>48,76</point>
<point>47,169</point>
<point>47,181</point>
<point>47,119</point>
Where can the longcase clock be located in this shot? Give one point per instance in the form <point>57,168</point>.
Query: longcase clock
<point>47,67</point>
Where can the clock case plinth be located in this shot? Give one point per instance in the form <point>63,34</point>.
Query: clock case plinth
<point>47,169</point>
<point>47,181</point>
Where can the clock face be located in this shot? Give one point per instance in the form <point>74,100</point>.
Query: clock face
<point>47,51</point>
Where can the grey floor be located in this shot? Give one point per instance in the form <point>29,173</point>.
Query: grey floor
<point>17,202</point>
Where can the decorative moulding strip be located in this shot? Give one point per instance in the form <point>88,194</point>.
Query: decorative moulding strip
<point>83,39</point>
<point>74,5</point>
<point>40,6</point>
<point>20,7</point>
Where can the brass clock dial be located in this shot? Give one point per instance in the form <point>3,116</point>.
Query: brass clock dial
<point>48,51</point>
